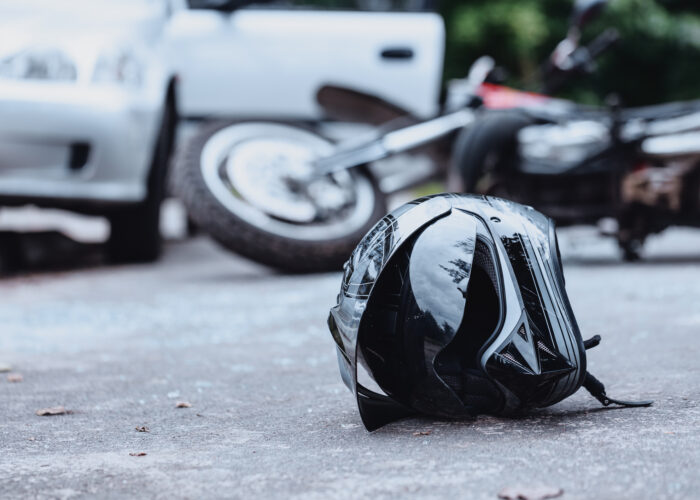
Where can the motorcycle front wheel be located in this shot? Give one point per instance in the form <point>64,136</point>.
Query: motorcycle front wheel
<point>249,185</point>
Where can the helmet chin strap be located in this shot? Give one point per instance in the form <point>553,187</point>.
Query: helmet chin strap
<point>597,389</point>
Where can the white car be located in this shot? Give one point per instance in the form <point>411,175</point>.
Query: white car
<point>271,62</point>
<point>88,90</point>
<point>87,113</point>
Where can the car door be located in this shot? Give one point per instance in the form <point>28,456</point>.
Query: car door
<point>271,62</point>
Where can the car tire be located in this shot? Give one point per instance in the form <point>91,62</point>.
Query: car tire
<point>135,231</point>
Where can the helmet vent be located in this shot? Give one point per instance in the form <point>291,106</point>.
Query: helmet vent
<point>510,357</point>
<point>512,354</point>
<point>483,260</point>
<point>544,348</point>
<point>522,332</point>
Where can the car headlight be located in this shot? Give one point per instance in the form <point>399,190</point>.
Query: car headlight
<point>38,64</point>
<point>118,66</point>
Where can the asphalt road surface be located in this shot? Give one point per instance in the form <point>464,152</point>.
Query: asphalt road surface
<point>248,349</point>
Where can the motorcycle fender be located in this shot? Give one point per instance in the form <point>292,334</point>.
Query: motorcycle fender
<point>348,105</point>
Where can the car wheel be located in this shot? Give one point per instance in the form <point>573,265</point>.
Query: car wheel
<point>135,231</point>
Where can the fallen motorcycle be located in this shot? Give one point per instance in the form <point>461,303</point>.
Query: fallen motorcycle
<point>287,196</point>
<point>640,167</point>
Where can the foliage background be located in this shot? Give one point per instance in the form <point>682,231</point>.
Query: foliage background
<point>657,59</point>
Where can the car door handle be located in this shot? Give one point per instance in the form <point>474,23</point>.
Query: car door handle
<point>398,53</point>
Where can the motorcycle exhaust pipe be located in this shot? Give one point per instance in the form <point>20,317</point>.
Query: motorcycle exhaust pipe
<point>686,144</point>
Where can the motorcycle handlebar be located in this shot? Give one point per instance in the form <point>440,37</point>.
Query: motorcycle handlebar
<point>603,42</point>
<point>580,60</point>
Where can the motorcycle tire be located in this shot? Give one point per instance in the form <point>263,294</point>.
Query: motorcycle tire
<point>219,207</point>
<point>489,148</point>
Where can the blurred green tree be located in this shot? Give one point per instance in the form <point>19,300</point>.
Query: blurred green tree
<point>654,61</point>
<point>657,57</point>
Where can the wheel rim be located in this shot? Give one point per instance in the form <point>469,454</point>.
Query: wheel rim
<point>261,172</point>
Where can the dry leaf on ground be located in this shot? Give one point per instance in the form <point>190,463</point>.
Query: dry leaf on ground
<point>183,404</point>
<point>142,428</point>
<point>139,454</point>
<point>423,433</point>
<point>15,377</point>
<point>54,410</point>
<point>530,492</point>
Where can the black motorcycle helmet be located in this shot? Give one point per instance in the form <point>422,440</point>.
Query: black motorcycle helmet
<point>454,306</point>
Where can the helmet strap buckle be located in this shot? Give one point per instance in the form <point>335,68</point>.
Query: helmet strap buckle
<point>597,390</point>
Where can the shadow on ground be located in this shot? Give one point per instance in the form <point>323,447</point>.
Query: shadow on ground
<point>25,252</point>
<point>30,252</point>
<point>533,418</point>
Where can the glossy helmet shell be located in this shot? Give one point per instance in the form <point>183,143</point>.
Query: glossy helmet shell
<point>453,306</point>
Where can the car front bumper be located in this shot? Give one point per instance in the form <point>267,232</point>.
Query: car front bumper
<point>76,143</point>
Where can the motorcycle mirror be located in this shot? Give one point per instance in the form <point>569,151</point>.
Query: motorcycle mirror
<point>585,11</point>
<point>480,70</point>
<point>498,75</point>
<point>462,91</point>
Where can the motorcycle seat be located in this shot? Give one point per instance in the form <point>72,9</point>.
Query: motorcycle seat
<point>661,111</point>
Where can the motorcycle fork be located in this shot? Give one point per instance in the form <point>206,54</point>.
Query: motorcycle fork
<point>351,154</point>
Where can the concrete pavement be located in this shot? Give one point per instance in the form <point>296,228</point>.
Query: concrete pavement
<point>249,350</point>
